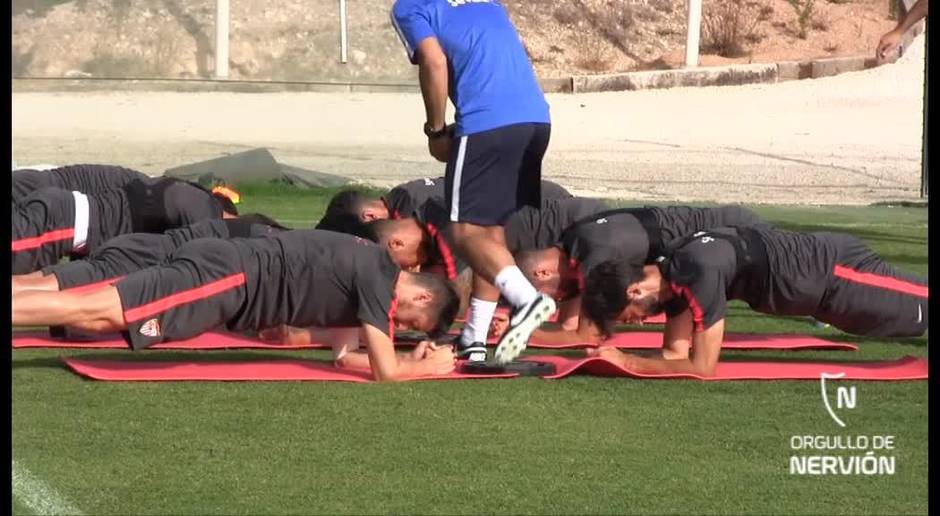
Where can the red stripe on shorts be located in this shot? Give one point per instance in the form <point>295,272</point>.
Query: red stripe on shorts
<point>187,296</point>
<point>25,244</point>
<point>875,280</point>
<point>88,287</point>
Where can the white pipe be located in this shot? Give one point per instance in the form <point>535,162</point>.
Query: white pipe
<point>221,39</point>
<point>693,32</point>
<point>342,31</point>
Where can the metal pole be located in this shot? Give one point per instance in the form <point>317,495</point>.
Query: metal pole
<point>923,164</point>
<point>221,39</point>
<point>693,32</point>
<point>342,31</point>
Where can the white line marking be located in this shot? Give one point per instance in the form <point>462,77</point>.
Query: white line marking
<point>39,496</point>
<point>822,381</point>
<point>458,172</point>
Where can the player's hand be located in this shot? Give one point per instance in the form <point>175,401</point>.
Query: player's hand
<point>888,42</point>
<point>440,147</point>
<point>611,354</point>
<point>440,359</point>
<point>276,334</point>
<point>422,349</point>
<point>498,324</point>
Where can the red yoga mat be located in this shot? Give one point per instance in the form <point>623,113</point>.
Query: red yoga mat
<point>275,370</point>
<point>629,340</point>
<point>907,368</point>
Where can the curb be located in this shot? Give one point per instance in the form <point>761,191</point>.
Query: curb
<point>721,75</point>
<point>629,81</point>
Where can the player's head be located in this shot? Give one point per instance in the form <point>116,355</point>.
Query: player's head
<point>549,272</point>
<point>426,302</point>
<point>623,293</point>
<point>357,203</point>
<point>406,241</point>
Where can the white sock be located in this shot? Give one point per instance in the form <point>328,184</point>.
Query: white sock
<point>478,323</point>
<point>514,287</point>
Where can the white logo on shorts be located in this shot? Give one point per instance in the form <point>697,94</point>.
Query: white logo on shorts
<point>428,181</point>
<point>920,314</point>
<point>600,221</point>
<point>150,328</point>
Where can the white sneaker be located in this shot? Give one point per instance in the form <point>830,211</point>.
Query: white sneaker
<point>524,320</point>
<point>475,352</point>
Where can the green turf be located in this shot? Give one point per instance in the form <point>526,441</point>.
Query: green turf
<point>575,446</point>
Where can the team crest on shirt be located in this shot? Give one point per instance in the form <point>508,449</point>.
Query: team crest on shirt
<point>150,328</point>
<point>428,181</point>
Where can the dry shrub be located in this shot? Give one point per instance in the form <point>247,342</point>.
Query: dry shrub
<point>567,14</point>
<point>820,24</point>
<point>592,53</point>
<point>804,10</point>
<point>728,24</point>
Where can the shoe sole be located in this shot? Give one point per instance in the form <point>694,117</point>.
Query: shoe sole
<point>470,351</point>
<point>516,339</point>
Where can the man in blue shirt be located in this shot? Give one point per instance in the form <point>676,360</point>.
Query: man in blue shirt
<point>468,50</point>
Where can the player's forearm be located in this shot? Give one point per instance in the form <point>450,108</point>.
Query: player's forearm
<point>665,366</point>
<point>918,12</point>
<point>432,75</point>
<point>357,360</point>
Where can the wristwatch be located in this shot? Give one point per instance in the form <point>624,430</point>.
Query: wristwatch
<point>430,133</point>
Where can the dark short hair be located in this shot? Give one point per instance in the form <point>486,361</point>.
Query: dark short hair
<point>444,304</point>
<point>344,223</point>
<point>604,295</point>
<point>347,202</point>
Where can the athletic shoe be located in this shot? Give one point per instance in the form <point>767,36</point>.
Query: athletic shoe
<point>475,352</point>
<point>524,320</point>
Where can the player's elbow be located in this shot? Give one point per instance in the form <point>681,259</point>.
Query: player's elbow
<point>704,370</point>
<point>431,60</point>
<point>388,376</point>
<point>343,362</point>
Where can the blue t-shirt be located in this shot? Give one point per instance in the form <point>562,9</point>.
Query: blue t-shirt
<point>492,83</point>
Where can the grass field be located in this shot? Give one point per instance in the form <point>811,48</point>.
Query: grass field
<point>576,446</point>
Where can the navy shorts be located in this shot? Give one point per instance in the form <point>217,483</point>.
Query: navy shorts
<point>492,174</point>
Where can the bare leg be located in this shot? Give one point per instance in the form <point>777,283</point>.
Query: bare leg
<point>99,310</point>
<point>35,282</point>
<point>484,249</point>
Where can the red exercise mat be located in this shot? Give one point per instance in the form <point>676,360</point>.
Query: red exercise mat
<point>268,370</point>
<point>627,340</point>
<point>908,368</point>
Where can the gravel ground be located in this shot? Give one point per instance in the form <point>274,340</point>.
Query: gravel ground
<point>850,139</point>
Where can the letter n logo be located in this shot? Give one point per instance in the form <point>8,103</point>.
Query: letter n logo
<point>845,397</point>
